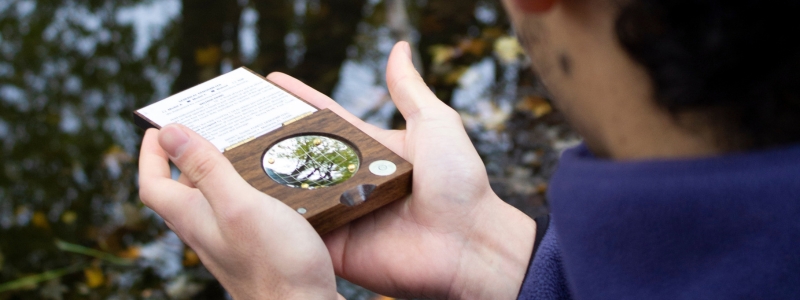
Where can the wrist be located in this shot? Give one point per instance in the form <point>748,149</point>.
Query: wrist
<point>302,282</point>
<point>497,252</point>
<point>296,293</point>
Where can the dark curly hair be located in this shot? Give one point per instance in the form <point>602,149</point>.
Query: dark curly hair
<point>737,63</point>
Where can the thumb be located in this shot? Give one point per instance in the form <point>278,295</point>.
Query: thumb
<point>409,92</point>
<point>202,164</point>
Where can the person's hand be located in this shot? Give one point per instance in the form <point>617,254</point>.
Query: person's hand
<point>453,238</point>
<point>256,246</point>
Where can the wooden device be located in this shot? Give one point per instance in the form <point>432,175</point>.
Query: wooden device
<point>347,186</point>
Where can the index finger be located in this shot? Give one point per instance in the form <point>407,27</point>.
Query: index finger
<point>392,139</point>
<point>153,161</point>
<point>157,190</point>
<point>179,204</point>
<point>321,101</point>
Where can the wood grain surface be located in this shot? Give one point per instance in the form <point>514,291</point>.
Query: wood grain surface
<point>324,209</point>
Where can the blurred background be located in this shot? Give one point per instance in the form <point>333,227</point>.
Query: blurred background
<point>72,71</point>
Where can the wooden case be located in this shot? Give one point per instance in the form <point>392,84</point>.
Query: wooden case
<point>325,208</point>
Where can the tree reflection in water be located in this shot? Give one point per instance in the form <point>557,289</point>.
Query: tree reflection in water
<point>311,162</point>
<point>71,72</point>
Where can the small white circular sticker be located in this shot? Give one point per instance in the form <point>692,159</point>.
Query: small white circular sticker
<point>382,167</point>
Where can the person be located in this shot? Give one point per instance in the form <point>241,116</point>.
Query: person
<point>686,185</point>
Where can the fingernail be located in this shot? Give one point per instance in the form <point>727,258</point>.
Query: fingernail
<point>173,140</point>
<point>407,49</point>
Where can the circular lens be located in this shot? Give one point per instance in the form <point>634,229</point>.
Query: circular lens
<point>310,162</point>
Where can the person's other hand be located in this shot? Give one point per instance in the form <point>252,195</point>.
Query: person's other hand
<point>453,237</point>
<point>256,246</point>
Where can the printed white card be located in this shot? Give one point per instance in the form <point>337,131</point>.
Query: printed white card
<point>229,108</point>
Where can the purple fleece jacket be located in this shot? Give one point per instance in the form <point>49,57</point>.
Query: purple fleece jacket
<point>725,227</point>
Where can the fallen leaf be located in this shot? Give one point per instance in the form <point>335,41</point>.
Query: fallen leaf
<point>453,76</point>
<point>507,49</point>
<point>94,277</point>
<point>493,33</point>
<point>190,258</point>
<point>208,56</point>
<point>541,188</point>
<point>379,297</point>
<point>472,46</point>
<point>535,105</point>
<point>441,54</point>
<point>69,217</point>
<point>40,220</point>
<point>119,153</point>
<point>130,253</point>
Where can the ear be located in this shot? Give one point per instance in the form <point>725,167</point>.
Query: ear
<point>535,6</point>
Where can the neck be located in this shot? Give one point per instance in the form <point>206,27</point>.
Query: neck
<point>654,135</point>
<point>611,100</point>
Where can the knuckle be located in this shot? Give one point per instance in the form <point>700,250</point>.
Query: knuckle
<point>241,212</point>
<point>201,167</point>
<point>234,215</point>
<point>408,85</point>
<point>403,82</point>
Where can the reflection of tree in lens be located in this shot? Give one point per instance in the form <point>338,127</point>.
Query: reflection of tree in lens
<point>310,162</point>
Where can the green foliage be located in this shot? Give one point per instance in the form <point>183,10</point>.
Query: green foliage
<point>69,247</point>
<point>318,161</point>
<point>30,282</point>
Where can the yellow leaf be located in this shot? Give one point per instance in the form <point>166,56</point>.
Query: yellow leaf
<point>190,258</point>
<point>130,253</point>
<point>453,76</point>
<point>507,49</point>
<point>117,152</point>
<point>536,105</point>
<point>495,119</point>
<point>207,56</point>
<point>541,188</point>
<point>94,277</point>
<point>472,46</point>
<point>40,220</point>
<point>441,54</point>
<point>69,217</point>
<point>379,297</point>
<point>492,33</point>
